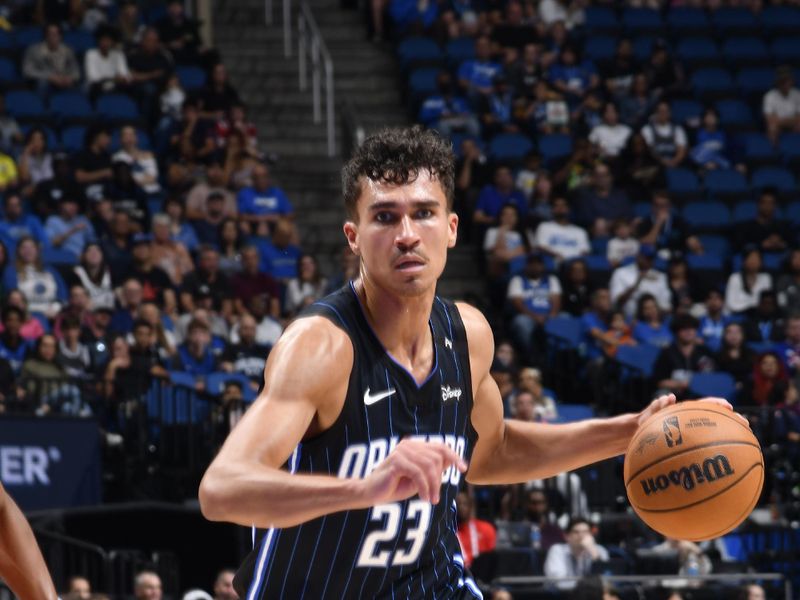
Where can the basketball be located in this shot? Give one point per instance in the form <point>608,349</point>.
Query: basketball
<point>693,471</point>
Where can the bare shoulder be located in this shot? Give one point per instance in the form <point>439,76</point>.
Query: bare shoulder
<point>479,337</point>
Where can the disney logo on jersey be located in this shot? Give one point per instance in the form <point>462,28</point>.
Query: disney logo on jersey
<point>449,393</point>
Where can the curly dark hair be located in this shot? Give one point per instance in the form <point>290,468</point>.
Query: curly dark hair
<point>396,156</point>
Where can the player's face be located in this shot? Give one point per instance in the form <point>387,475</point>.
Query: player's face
<point>402,234</point>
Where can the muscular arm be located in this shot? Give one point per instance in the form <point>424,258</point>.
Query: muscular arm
<point>21,563</point>
<point>305,382</point>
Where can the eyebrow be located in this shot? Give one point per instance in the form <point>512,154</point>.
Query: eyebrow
<point>390,204</point>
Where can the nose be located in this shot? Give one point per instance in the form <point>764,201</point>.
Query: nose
<point>407,237</point>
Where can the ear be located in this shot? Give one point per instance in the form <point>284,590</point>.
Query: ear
<point>452,225</point>
<point>351,233</point>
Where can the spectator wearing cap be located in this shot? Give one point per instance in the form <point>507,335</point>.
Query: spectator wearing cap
<point>47,194</point>
<point>602,203</point>
<point>42,285</point>
<point>781,106</point>
<point>247,356</point>
<point>252,282</point>
<point>630,282</point>
<point>17,224</point>
<point>168,254</point>
<point>765,323</point>
<point>68,230</point>
<point>745,286</point>
<point>208,226</point>
<point>766,232</point>
<point>666,230</point>
<point>105,66</point>
<point>667,141</point>
<point>117,245</point>
<point>495,196</point>
<point>535,297</point>
<point>195,355</point>
<point>213,182</point>
<point>93,165</point>
<point>262,204</point>
<point>448,112</point>
<point>279,255</point>
<point>683,358</point>
<point>51,64</point>
<point>156,285</point>
<point>207,276</point>
<point>560,238</point>
<point>475,76</point>
<point>144,167</point>
<point>36,162</point>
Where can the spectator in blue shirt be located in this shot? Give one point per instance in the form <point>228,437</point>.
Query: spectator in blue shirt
<point>572,77</point>
<point>712,325</point>
<point>651,328</point>
<point>17,224</point>
<point>406,14</point>
<point>13,347</point>
<point>789,349</point>
<point>68,230</point>
<point>497,109</point>
<point>195,355</point>
<point>447,112</point>
<point>496,195</point>
<point>129,302</point>
<point>279,255</point>
<point>262,204</point>
<point>180,230</point>
<point>475,76</point>
<point>711,146</point>
<point>595,322</point>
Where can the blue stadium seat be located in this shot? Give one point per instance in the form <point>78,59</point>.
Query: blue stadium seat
<point>510,146</point>
<point>771,261</point>
<point>687,19</point>
<point>757,149</point>
<point>597,263</point>
<point>793,212</point>
<point>761,347</point>
<point>780,19</point>
<point>117,107</point>
<point>155,12</point>
<point>422,83</point>
<point>734,113</point>
<point>786,49</point>
<point>80,40</point>
<point>459,50</point>
<point>726,184</point>
<point>416,51</point>
<point>600,19</point>
<point>639,20</point>
<point>706,216</point>
<point>729,20</point>
<point>776,177</point>
<point>705,262</point>
<point>569,413</point>
<point>50,135</point>
<point>697,50</point>
<point>744,211</point>
<point>599,245</point>
<point>600,47</point>
<point>22,103</point>
<point>8,72</point>
<point>58,257</point>
<point>641,210</point>
<point>716,245</point>
<point>639,359</point>
<point>457,138</point>
<point>6,40</point>
<point>70,106</point>
<point>720,385</point>
<point>565,330</point>
<point>740,51</point>
<point>643,47</point>
<point>27,36</point>
<point>192,78</point>
<point>686,111</point>
<point>72,138</point>
<point>789,146</point>
<point>712,83</point>
<point>755,82</point>
<point>683,182</point>
<point>554,147</point>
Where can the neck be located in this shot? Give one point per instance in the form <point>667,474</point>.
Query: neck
<point>406,335</point>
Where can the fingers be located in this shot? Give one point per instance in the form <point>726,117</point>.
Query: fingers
<point>425,463</point>
<point>405,467</point>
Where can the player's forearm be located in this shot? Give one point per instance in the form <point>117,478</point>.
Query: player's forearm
<point>252,494</point>
<point>541,450</point>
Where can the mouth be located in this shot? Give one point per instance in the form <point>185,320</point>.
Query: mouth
<point>409,264</point>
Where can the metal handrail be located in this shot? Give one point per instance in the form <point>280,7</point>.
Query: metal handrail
<point>353,130</point>
<point>310,43</point>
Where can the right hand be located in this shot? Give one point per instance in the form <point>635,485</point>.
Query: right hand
<point>414,467</point>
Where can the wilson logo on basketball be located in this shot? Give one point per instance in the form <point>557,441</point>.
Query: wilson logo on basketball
<point>712,469</point>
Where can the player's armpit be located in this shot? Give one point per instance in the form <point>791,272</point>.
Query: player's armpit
<point>305,383</point>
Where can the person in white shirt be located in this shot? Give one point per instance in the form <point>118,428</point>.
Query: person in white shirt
<point>610,136</point>
<point>632,281</point>
<point>745,286</point>
<point>623,245</point>
<point>559,238</point>
<point>504,245</point>
<point>144,167</point>
<point>105,66</point>
<point>666,140</point>
<point>575,558</point>
<point>781,106</point>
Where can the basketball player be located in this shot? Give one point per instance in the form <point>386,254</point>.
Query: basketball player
<point>21,564</point>
<point>376,402</point>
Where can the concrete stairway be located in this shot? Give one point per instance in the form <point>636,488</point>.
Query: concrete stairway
<point>365,74</point>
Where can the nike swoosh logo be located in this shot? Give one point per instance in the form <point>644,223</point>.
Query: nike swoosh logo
<point>373,398</point>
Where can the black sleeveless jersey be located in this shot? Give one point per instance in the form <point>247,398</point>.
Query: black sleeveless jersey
<point>403,549</point>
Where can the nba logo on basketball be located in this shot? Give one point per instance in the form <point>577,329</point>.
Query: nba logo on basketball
<point>672,432</point>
